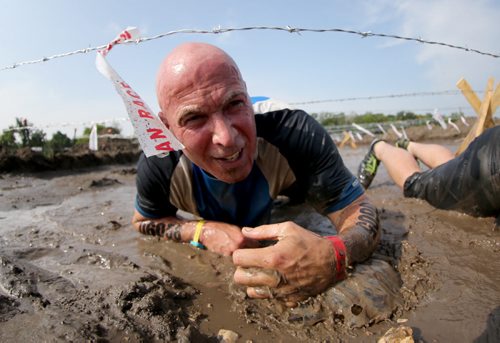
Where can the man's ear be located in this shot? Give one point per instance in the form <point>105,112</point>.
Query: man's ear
<point>163,118</point>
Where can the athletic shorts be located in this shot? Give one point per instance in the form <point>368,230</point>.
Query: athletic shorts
<point>470,183</point>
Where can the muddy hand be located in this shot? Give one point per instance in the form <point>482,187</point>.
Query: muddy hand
<point>303,263</point>
<point>223,238</point>
<point>255,278</point>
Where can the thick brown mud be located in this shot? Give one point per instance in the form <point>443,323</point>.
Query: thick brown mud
<point>72,268</point>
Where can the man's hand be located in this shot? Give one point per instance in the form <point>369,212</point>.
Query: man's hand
<point>224,239</point>
<point>301,264</point>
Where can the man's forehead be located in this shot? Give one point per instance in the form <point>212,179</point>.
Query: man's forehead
<point>206,102</point>
<point>201,80</point>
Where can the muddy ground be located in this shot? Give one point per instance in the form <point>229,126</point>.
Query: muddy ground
<point>73,269</point>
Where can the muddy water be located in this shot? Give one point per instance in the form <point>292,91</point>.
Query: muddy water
<point>72,268</point>
<point>463,255</point>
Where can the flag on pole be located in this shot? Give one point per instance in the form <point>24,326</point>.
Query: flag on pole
<point>93,144</point>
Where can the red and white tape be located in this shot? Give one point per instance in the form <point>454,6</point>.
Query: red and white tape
<point>154,137</point>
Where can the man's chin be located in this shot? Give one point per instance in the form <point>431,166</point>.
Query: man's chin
<point>232,176</point>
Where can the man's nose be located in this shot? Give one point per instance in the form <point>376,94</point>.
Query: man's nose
<point>224,132</point>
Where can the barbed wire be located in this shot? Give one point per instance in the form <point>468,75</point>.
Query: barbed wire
<point>220,30</point>
<point>374,97</point>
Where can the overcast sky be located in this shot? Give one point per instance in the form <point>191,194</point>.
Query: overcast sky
<point>289,67</point>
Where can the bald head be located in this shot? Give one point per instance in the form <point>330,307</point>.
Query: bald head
<point>205,104</point>
<point>188,65</point>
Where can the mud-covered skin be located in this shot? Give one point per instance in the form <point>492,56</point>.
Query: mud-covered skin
<point>362,238</point>
<point>359,228</point>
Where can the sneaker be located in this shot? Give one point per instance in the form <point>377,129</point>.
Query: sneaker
<point>368,167</point>
<point>402,143</point>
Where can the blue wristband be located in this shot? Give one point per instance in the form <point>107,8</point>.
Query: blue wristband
<point>197,244</point>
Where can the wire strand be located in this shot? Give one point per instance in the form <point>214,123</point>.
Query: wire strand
<point>289,29</point>
<point>374,97</point>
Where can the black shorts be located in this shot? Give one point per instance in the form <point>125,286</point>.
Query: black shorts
<point>470,183</point>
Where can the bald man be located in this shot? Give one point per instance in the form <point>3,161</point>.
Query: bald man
<point>235,163</point>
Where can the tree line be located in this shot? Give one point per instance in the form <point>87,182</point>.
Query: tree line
<point>338,119</point>
<point>23,135</point>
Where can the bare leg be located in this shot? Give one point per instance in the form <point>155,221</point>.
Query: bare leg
<point>432,155</point>
<point>400,164</point>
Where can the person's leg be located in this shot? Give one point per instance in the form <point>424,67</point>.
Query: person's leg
<point>400,164</point>
<point>432,155</point>
<point>468,183</point>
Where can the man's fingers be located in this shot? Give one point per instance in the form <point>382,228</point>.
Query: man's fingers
<point>251,243</point>
<point>260,292</point>
<point>264,232</point>
<point>290,294</point>
<point>264,257</point>
<point>257,277</point>
<point>259,258</point>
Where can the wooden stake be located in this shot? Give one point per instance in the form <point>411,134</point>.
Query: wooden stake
<point>484,110</point>
<point>347,138</point>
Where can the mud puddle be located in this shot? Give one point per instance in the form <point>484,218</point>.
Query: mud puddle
<point>72,268</point>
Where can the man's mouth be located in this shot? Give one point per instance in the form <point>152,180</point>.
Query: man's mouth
<point>232,157</point>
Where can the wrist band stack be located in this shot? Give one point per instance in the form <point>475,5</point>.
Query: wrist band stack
<point>340,257</point>
<point>197,233</point>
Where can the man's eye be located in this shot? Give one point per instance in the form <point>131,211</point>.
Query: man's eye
<point>193,120</point>
<point>236,103</point>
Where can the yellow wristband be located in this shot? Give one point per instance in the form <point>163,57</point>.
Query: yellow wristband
<point>197,233</point>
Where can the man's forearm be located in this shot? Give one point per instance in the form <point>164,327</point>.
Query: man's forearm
<point>169,231</point>
<point>169,228</point>
<point>359,228</point>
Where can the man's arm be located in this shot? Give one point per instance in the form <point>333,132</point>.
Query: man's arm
<point>218,237</point>
<point>358,227</point>
<point>305,262</point>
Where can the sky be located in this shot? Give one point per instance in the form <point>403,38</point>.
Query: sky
<point>69,94</point>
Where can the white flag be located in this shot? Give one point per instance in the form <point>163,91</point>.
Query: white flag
<point>360,128</point>
<point>396,131</point>
<point>453,124</point>
<point>429,126</point>
<point>93,139</point>
<point>382,129</point>
<point>464,120</point>
<point>439,119</point>
<point>404,132</point>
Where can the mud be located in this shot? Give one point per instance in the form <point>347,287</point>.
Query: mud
<point>72,268</point>
<point>110,151</point>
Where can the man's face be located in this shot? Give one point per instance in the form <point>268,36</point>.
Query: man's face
<point>211,114</point>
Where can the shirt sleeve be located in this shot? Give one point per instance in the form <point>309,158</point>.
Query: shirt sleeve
<point>322,178</point>
<point>153,186</point>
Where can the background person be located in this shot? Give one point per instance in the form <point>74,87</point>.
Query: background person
<point>234,164</point>
<point>468,183</point>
